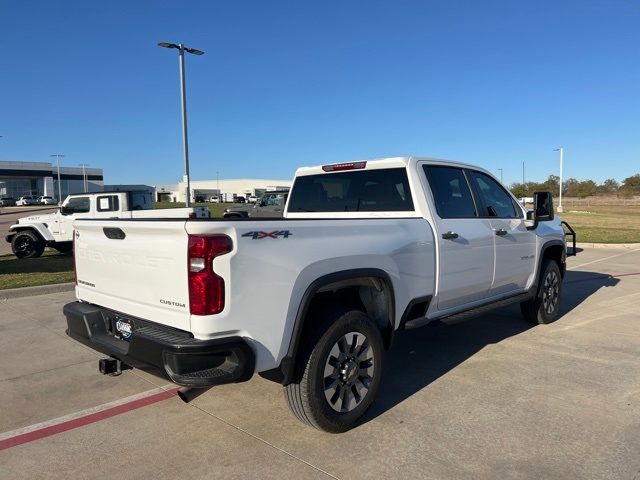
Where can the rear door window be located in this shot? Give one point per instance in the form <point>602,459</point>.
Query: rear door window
<point>382,190</point>
<point>451,192</point>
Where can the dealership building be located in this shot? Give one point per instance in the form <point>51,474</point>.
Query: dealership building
<point>41,178</point>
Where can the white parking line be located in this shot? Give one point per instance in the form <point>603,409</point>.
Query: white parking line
<point>603,259</point>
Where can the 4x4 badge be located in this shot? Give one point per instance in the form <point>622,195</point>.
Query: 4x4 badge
<point>274,234</point>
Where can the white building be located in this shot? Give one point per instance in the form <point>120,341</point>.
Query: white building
<point>227,189</point>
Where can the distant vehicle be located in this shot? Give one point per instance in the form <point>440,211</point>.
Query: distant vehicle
<point>240,199</point>
<point>7,202</point>
<point>270,205</point>
<point>27,200</point>
<point>31,235</point>
<point>252,199</point>
<point>214,199</point>
<point>47,201</point>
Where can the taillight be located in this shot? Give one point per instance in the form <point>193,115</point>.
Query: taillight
<point>206,289</point>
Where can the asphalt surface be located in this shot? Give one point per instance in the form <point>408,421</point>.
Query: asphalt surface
<point>10,215</point>
<point>491,397</point>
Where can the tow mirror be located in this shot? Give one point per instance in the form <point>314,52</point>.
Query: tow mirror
<point>542,206</point>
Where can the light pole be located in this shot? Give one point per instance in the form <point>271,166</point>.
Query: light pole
<point>58,155</point>
<point>185,144</point>
<point>561,150</point>
<point>84,177</point>
<point>501,175</point>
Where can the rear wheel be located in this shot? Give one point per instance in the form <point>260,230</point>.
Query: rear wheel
<point>342,373</point>
<point>27,244</point>
<point>545,306</point>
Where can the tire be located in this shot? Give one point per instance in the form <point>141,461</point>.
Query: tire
<point>27,244</point>
<point>353,371</point>
<point>545,306</point>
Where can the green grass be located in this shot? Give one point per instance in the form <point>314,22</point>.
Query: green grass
<point>216,209</point>
<point>604,224</point>
<point>48,269</point>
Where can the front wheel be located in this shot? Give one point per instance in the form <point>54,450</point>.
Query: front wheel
<point>545,306</point>
<point>27,244</point>
<point>341,376</point>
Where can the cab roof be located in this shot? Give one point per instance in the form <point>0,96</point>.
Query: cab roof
<point>376,163</point>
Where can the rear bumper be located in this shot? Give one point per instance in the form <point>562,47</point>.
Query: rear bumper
<point>164,351</point>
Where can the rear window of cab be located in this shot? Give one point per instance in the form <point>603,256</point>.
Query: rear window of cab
<point>381,190</point>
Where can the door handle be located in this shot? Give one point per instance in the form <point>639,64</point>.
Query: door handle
<point>450,235</point>
<point>501,232</point>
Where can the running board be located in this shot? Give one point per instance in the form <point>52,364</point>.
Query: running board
<point>472,312</point>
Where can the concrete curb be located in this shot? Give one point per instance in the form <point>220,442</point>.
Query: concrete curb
<point>612,246</point>
<point>38,290</point>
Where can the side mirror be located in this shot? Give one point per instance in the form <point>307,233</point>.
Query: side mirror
<point>66,210</point>
<point>542,206</point>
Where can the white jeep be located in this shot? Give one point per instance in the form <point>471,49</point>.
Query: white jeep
<point>31,235</point>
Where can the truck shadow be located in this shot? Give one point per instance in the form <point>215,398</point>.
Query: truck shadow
<point>419,357</point>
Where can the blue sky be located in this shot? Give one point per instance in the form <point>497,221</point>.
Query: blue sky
<point>286,84</point>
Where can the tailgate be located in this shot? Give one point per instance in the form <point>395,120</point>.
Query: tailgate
<point>135,267</point>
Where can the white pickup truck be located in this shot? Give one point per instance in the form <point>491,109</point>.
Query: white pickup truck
<point>312,301</point>
<point>30,236</point>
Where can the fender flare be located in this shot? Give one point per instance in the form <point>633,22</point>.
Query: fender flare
<point>42,231</point>
<point>545,247</point>
<point>354,277</point>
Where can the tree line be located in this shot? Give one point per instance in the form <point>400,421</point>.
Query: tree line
<point>571,187</point>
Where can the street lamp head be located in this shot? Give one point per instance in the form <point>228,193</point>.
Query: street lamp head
<point>557,149</point>
<point>194,51</point>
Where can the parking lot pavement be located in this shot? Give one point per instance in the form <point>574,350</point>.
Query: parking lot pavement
<point>10,215</point>
<point>491,397</point>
